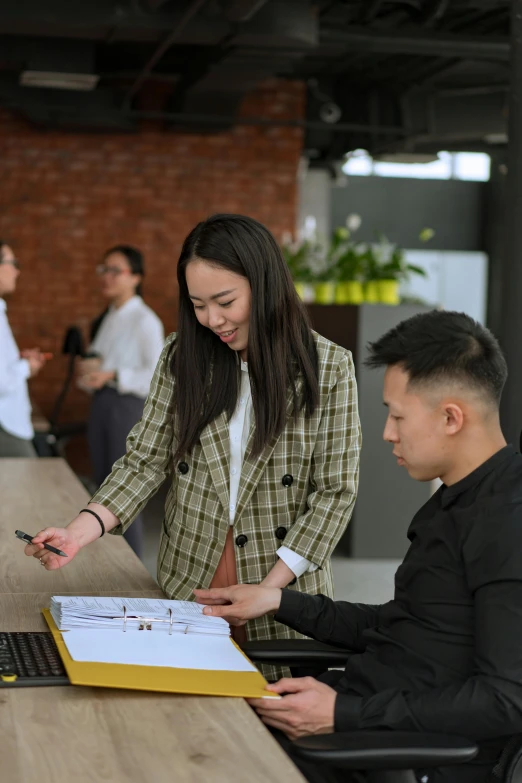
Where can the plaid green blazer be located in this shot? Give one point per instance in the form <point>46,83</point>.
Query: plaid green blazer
<point>321,453</point>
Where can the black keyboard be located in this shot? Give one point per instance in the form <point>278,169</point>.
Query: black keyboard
<point>28,659</point>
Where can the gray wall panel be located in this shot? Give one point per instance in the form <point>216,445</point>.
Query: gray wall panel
<point>388,498</point>
<point>400,208</point>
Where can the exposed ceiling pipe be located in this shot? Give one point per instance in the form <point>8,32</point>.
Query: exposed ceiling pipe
<point>419,42</point>
<point>185,117</point>
<point>172,37</point>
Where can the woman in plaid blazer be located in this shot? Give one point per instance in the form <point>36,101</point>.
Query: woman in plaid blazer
<point>253,416</point>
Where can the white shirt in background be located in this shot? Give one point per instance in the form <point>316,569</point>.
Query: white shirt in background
<point>239,430</point>
<point>15,406</point>
<point>129,341</point>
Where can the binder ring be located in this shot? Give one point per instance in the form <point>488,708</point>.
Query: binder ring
<point>146,622</point>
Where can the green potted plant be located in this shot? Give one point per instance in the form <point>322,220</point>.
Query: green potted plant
<point>392,273</point>
<point>324,286</point>
<point>324,266</point>
<point>386,267</point>
<point>311,265</point>
<point>346,257</point>
<point>297,258</point>
<point>371,274</point>
<point>349,289</point>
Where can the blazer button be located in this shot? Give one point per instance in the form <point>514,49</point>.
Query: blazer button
<point>287,480</point>
<point>281,533</point>
<point>183,467</point>
<point>241,540</point>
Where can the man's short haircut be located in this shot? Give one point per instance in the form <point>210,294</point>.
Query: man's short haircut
<point>443,347</point>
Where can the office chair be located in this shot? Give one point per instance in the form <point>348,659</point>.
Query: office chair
<point>389,756</point>
<point>52,443</point>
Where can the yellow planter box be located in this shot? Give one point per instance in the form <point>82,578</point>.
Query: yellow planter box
<point>371,292</point>
<point>349,292</point>
<point>324,293</point>
<point>388,292</point>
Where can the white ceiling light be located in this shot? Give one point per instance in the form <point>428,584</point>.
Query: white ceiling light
<point>496,138</point>
<point>407,157</point>
<point>58,80</point>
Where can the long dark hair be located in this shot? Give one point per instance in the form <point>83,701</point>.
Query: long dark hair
<point>3,245</point>
<point>282,355</point>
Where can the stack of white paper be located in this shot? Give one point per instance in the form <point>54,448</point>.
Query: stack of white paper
<point>195,642</point>
<point>92,612</point>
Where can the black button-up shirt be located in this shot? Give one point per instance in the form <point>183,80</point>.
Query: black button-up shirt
<point>445,655</point>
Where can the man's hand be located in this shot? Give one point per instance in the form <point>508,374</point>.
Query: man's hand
<point>97,380</point>
<point>239,603</point>
<point>307,708</point>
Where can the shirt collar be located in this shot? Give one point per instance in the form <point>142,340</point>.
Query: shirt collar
<point>3,305</point>
<point>129,305</point>
<point>243,366</point>
<point>449,494</point>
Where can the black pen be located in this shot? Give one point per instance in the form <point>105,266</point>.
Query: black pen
<point>26,537</point>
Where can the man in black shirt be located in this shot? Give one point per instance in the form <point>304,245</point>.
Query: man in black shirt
<point>445,655</point>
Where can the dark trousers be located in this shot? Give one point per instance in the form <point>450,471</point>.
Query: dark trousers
<point>111,418</point>
<point>11,446</point>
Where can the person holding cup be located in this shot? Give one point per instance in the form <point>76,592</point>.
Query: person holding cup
<point>126,342</point>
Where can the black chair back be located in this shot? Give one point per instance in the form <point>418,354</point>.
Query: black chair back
<point>508,768</point>
<point>72,347</point>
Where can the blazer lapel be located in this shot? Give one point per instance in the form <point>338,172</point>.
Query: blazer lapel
<point>215,442</point>
<point>253,467</point>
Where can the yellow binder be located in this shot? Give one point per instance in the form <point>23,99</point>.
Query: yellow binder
<point>159,678</point>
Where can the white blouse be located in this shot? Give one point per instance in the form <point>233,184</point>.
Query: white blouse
<point>129,341</point>
<point>239,429</point>
<point>15,407</point>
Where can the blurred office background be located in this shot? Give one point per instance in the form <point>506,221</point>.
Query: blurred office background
<point>126,121</point>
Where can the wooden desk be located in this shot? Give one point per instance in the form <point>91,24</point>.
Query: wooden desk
<point>90,735</point>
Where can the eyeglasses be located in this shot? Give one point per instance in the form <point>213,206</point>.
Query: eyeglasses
<point>113,271</point>
<point>12,262</point>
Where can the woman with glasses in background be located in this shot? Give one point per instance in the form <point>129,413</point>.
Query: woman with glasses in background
<point>126,342</point>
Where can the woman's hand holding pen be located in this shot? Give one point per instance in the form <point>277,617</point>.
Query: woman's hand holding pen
<point>83,530</point>
<point>59,537</point>
<point>239,603</point>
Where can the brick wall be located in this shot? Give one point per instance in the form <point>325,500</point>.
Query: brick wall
<point>65,198</point>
